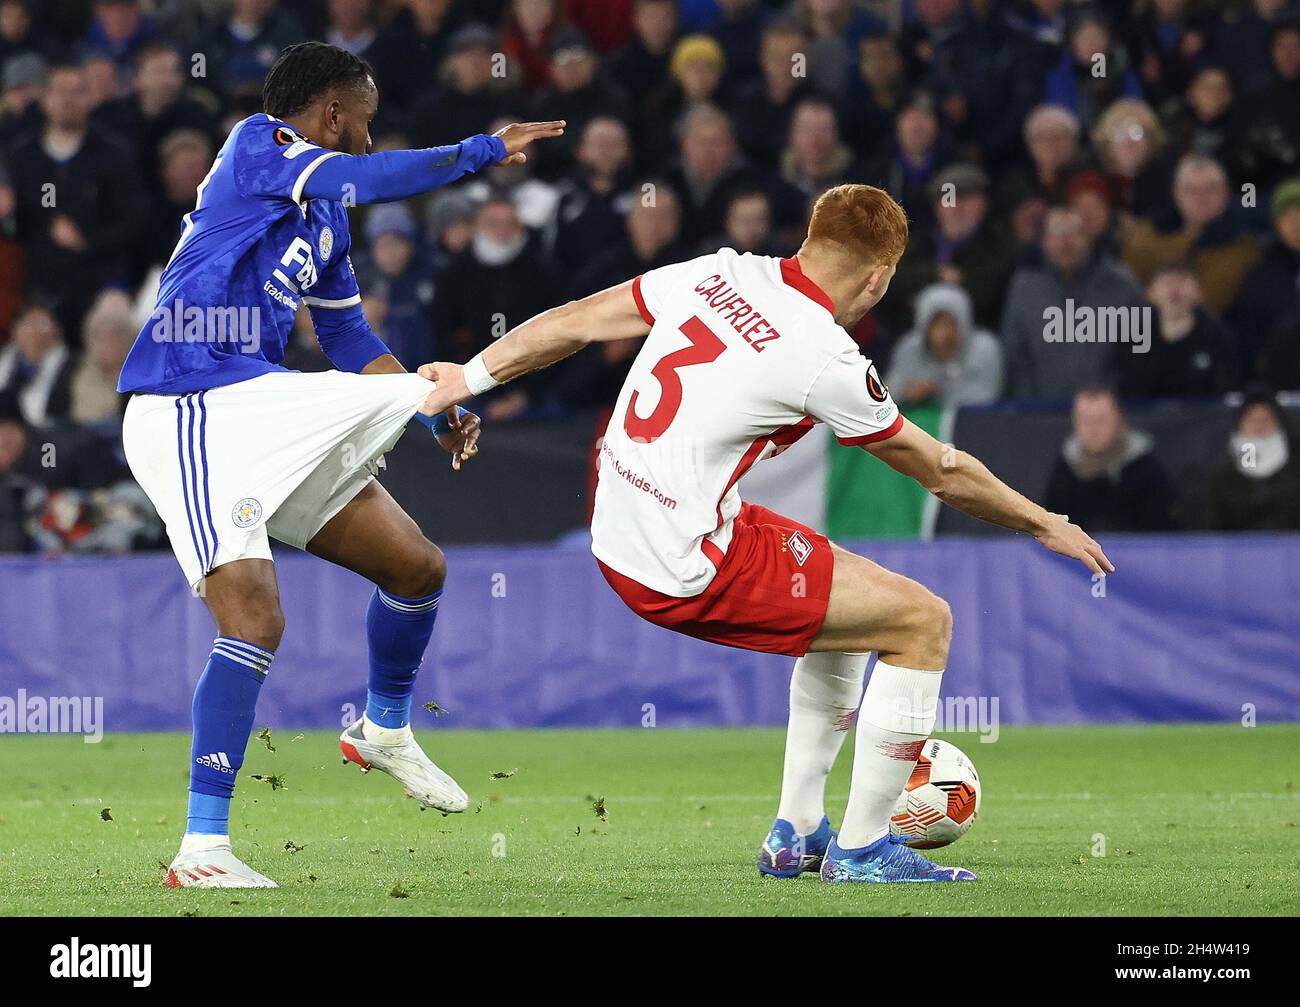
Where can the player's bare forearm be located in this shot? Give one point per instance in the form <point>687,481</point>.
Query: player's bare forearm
<point>963,482</point>
<point>960,480</point>
<point>562,331</point>
<point>385,363</point>
<point>544,340</point>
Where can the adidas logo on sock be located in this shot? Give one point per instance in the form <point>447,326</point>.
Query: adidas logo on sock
<point>217,761</point>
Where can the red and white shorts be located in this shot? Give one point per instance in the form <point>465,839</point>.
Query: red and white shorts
<point>770,592</point>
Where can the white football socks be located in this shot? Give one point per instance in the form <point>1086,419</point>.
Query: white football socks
<point>197,842</point>
<point>824,693</point>
<point>383,735</point>
<point>897,715</point>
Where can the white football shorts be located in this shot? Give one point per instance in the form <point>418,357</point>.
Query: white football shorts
<point>277,455</point>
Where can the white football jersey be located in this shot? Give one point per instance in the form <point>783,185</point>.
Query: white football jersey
<point>743,356</point>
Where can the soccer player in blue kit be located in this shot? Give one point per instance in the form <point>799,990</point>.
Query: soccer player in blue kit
<point>233,449</point>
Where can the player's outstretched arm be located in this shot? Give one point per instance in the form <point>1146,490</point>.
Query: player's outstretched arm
<point>400,174</point>
<point>539,342</point>
<point>962,481</point>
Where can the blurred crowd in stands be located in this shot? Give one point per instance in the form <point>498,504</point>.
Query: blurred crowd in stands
<point>1133,167</point>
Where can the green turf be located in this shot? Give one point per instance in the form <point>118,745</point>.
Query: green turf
<point>1197,820</point>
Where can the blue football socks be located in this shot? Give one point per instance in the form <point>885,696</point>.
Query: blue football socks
<point>224,701</point>
<point>398,630</point>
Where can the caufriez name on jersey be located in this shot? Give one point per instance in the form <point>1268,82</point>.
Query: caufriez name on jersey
<point>736,312</point>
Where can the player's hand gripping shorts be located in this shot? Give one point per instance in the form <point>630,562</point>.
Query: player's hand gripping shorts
<point>770,592</point>
<point>277,455</point>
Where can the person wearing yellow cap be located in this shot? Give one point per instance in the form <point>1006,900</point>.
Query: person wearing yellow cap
<point>697,66</point>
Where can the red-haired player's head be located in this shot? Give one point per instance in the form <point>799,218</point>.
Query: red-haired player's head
<point>855,238</point>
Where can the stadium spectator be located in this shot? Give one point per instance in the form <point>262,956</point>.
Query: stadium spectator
<point>594,197</point>
<point>1033,43</point>
<point>501,280</point>
<point>103,80</point>
<point>17,34</point>
<point>910,160</point>
<point>21,86</point>
<point>107,334</point>
<point>697,66</point>
<point>747,226</point>
<point>527,29</point>
<point>1202,230</point>
<point>1106,476</point>
<point>1072,271</point>
<point>449,226</point>
<point>467,100</point>
<point>641,67</point>
<point>739,29</point>
<point>815,159</point>
<point>351,26</point>
<point>1243,43</point>
<point>874,99</point>
<point>1190,353</point>
<point>1257,488</point>
<point>834,29</point>
<point>1129,140</point>
<point>1166,41</point>
<point>1051,135</point>
<point>118,28</point>
<point>185,157</point>
<point>36,367</point>
<point>240,49</point>
<point>403,54</point>
<point>960,54</point>
<point>1093,71</point>
<point>80,242</point>
<point>964,246</point>
<point>1271,295</point>
<point>709,165</point>
<point>1272,148</point>
<point>1211,123</point>
<point>765,103</point>
<point>653,238</point>
<point>1090,195</point>
<point>945,358</point>
<point>157,105</point>
<point>579,91</point>
<point>391,271</point>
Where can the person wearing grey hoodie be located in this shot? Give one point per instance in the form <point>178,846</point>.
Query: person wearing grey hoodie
<point>944,358</point>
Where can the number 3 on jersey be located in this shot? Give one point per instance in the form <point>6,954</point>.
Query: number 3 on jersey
<point>705,348</point>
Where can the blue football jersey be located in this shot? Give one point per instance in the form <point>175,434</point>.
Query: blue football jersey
<point>249,254</point>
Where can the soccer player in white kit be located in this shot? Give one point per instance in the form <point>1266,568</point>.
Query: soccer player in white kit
<point>743,355</point>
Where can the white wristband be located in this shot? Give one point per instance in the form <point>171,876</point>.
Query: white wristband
<point>477,377</point>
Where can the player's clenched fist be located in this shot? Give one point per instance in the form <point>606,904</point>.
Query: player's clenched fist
<point>451,390</point>
<point>519,135</point>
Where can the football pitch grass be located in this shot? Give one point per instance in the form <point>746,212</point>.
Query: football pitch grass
<point>1201,820</point>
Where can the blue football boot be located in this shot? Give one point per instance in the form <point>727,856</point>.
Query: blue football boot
<point>884,861</point>
<point>786,853</point>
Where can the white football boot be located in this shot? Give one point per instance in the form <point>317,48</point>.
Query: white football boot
<point>396,752</point>
<point>207,862</point>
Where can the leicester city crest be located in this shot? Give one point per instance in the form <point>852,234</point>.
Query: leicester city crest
<point>326,243</point>
<point>246,513</point>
